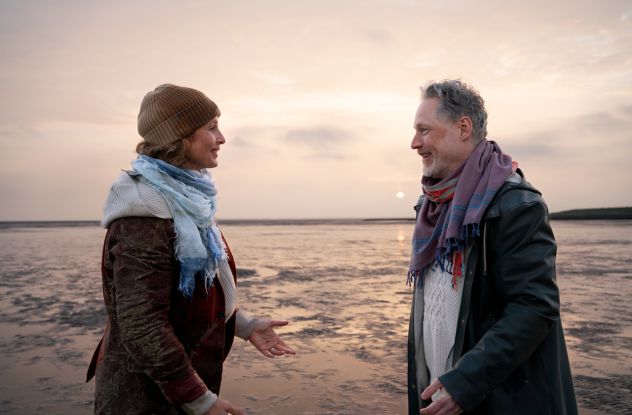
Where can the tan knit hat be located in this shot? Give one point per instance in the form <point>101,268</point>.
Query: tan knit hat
<point>171,112</point>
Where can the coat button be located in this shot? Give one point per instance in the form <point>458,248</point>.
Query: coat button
<point>221,315</point>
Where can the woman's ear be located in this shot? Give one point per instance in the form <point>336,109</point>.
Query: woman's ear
<point>186,142</point>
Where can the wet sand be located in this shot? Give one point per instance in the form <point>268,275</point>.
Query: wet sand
<point>341,286</point>
<point>595,277</point>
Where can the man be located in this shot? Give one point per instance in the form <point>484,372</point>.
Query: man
<point>485,333</point>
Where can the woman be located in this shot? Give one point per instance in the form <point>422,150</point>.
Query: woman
<point>168,274</point>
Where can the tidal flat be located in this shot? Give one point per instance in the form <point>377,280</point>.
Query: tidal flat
<point>341,286</point>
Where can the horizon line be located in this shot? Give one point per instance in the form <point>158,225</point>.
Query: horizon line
<point>386,218</point>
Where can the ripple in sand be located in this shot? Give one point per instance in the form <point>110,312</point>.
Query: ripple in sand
<point>612,395</point>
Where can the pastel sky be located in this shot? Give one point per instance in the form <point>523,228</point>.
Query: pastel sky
<point>317,97</point>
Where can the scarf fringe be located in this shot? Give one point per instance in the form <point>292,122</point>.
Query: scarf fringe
<point>449,258</point>
<point>188,268</point>
<point>208,268</point>
<point>415,277</point>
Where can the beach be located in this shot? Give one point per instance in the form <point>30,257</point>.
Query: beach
<point>342,286</point>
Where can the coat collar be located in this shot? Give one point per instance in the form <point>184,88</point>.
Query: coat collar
<point>515,181</point>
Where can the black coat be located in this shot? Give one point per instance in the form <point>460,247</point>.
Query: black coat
<point>509,353</point>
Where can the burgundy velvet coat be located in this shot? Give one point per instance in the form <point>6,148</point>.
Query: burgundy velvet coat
<point>160,349</point>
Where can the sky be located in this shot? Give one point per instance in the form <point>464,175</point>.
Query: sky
<point>317,97</point>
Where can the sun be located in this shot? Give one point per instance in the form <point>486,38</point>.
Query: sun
<point>399,195</point>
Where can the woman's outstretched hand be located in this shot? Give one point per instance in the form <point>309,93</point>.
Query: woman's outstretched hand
<point>223,407</point>
<point>265,339</point>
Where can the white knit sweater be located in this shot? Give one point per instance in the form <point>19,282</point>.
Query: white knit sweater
<point>442,303</point>
<point>130,197</point>
<point>436,312</point>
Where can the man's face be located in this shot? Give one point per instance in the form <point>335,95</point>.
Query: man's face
<point>438,141</point>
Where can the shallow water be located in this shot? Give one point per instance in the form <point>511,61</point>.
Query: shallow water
<point>342,287</point>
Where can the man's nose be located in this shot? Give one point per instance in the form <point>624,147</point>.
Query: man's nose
<point>416,142</point>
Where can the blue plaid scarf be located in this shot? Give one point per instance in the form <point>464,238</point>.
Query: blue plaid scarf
<point>192,202</point>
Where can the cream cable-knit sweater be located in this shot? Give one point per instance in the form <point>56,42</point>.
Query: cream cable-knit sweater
<point>130,197</point>
<point>442,303</point>
<point>440,308</point>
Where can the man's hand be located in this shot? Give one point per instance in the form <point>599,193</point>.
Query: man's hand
<point>222,407</point>
<point>266,340</point>
<point>444,405</point>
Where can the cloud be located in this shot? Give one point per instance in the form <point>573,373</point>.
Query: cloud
<point>318,138</point>
<point>604,121</point>
<point>328,156</point>
<point>600,135</point>
<point>320,142</point>
<point>626,110</point>
<point>534,146</point>
<point>239,142</point>
<point>381,37</point>
<point>11,132</point>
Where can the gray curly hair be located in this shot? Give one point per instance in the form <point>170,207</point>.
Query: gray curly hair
<point>458,99</point>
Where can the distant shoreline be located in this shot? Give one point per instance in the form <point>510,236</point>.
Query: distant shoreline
<point>617,213</point>
<point>575,214</point>
<point>594,214</point>
<point>48,223</point>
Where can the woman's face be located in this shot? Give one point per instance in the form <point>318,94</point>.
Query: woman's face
<point>202,147</point>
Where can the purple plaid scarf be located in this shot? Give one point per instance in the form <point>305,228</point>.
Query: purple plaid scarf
<point>453,208</point>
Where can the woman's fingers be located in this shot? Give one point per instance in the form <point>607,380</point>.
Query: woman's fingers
<point>283,348</point>
<point>233,410</point>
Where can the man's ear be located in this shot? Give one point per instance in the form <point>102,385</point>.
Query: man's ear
<point>465,127</point>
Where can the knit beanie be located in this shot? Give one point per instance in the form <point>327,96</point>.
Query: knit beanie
<point>171,112</point>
